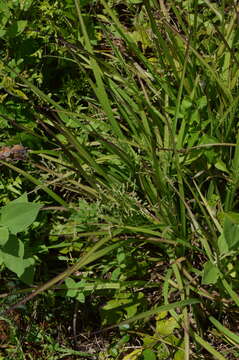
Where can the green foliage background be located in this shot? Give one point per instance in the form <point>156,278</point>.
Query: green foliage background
<point>128,110</point>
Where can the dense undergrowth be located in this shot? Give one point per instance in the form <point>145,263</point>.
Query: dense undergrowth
<point>119,229</point>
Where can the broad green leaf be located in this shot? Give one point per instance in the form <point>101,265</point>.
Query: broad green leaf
<point>18,216</point>
<point>13,258</point>
<point>2,33</point>
<point>148,340</point>
<point>24,268</point>
<point>233,217</point>
<point>1,257</point>
<point>4,235</point>
<point>142,37</point>
<point>206,139</point>
<point>166,326</point>
<point>210,273</point>
<point>220,165</point>
<point>149,354</point>
<point>222,245</point>
<point>194,118</point>
<point>202,102</point>
<point>21,199</point>
<point>73,289</point>
<point>186,104</point>
<point>131,310</point>
<point>113,304</point>
<point>231,231</point>
<point>71,284</point>
<point>161,315</point>
<point>162,352</point>
<point>25,4</point>
<point>4,7</point>
<point>179,355</point>
<point>80,297</point>
<point>17,28</point>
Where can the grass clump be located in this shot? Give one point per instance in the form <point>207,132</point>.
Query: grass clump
<point>148,173</point>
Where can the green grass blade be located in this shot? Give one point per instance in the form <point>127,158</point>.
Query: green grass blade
<point>216,355</point>
<point>168,307</point>
<point>234,337</point>
<point>234,296</point>
<point>37,182</point>
<point>220,83</point>
<point>100,87</point>
<point>89,256</point>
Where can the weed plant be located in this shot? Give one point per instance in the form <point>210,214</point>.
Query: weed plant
<point>148,173</point>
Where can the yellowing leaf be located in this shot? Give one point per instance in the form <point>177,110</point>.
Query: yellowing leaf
<point>161,315</point>
<point>3,97</point>
<point>134,355</point>
<point>166,326</point>
<point>19,94</point>
<point>231,267</point>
